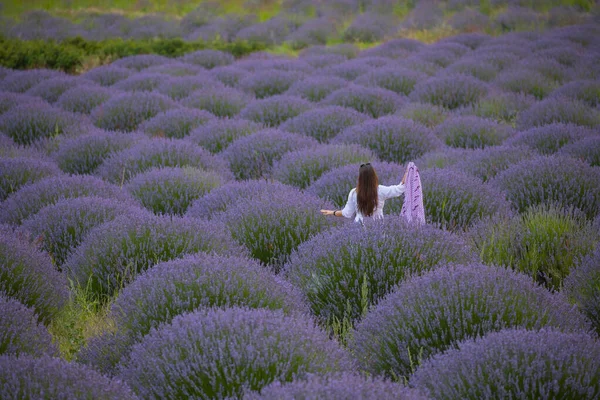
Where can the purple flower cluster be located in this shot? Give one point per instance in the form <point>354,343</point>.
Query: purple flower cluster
<point>107,75</point>
<point>316,88</point>
<point>375,102</point>
<point>397,79</point>
<point>583,286</point>
<point>526,81</point>
<point>551,179</point>
<point>252,156</point>
<point>229,351</point>
<point>391,138</point>
<point>489,162</point>
<point>20,171</point>
<point>62,226</point>
<point>220,101</point>
<point>549,139</point>
<point>501,106</point>
<point>52,377</point>
<point>333,267</point>
<point>272,224</point>
<point>424,114</point>
<point>559,109</point>
<point>180,87</point>
<point>216,135</point>
<point>141,61</point>
<point>208,58</point>
<point>175,123</point>
<point>146,154</point>
<point>587,91</point>
<point>175,287</point>
<point>453,91</point>
<point>83,98</point>
<point>515,363</point>
<point>170,190</point>
<point>275,110</point>
<point>51,89</point>
<point>369,28</point>
<point>20,332</point>
<point>434,312</point>
<point>302,167</point>
<point>323,123</point>
<point>140,82</point>
<point>586,149</point>
<point>27,275</point>
<point>472,132</point>
<point>266,83</point>
<point>114,253</point>
<point>31,198</point>
<point>21,81</point>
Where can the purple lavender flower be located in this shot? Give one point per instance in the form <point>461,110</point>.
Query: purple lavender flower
<point>548,67</point>
<point>268,83</point>
<point>176,68</point>
<point>175,123</point>
<point>108,75</point>
<point>114,253</point>
<point>51,89</point>
<point>500,106</point>
<point>470,20</point>
<point>323,123</point>
<point>472,132</point>
<point>324,60</point>
<point>582,285</point>
<point>313,32</point>
<point>33,197</point>
<point>217,134</point>
<point>349,70</point>
<point>486,163</point>
<point>518,18</point>
<point>586,149</point>
<point>262,346</point>
<point>124,112</point>
<point>27,275</point>
<point>229,75</point>
<point>271,32</point>
<point>170,190</point>
<point>180,87</point>
<point>222,102</point>
<point>53,377</point>
<point>21,81</point>
<point>301,167</point>
<point>514,363</point>
<point>473,66</point>
<point>587,91</point>
<point>376,102</point>
<point>520,80</point>
<point>341,386</point>
<point>450,91</point>
<point>425,114</point>
<point>397,79</point>
<point>316,88</point>
<point>454,200</point>
<point>346,49</point>
<point>425,15</point>
<point>62,226</point>
<point>208,58</point>
<point>141,61</point>
<point>9,100</point>
<point>551,179</point>
<point>567,55</point>
<point>343,271</point>
<point>370,27</point>
<point>20,171</point>
<point>432,313</point>
<point>558,109</point>
<point>31,122</point>
<point>83,98</point>
<point>272,225</point>
<point>549,139</point>
<point>275,110</point>
<point>20,331</point>
<point>391,138</point>
<point>158,152</point>
<point>471,39</point>
<point>172,288</point>
<point>140,82</point>
<point>222,28</point>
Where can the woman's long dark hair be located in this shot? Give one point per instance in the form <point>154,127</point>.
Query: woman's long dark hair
<point>366,189</point>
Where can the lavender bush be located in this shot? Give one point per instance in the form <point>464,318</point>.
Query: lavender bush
<point>558,109</point>
<point>525,81</point>
<point>344,271</point>
<point>518,18</point>
<point>551,179</point>
<point>120,167</point>
<point>27,275</point>
<point>32,122</point>
<point>397,79</point>
<point>455,200</point>
<point>9,100</point>
<point>369,28</point>
<point>180,87</point>
<point>316,88</point>
<point>262,346</point>
<point>107,75</point>
<point>83,154</point>
<point>175,123</point>
<point>301,167</point>
<point>587,91</point>
<point>140,82</point>
<point>124,112</point>
<point>323,123</point>
<point>346,49</point>
<point>83,98</point>
<point>342,386</point>
<point>114,253</point>
<point>434,312</point>
<point>473,66</point>
<point>175,287</point>
<point>216,135</point>
<point>391,138</point>
<point>268,83</point>
<point>21,81</point>
<point>586,149</point>
<point>271,225</point>
<point>554,72</point>
<point>452,91</point>
<point>176,68</point>
<point>20,171</point>
<point>252,156</point>
<point>170,190</point>
<point>549,139</point>
<point>515,363</point>
<point>62,226</point>
<point>51,89</point>
<point>208,58</point>
<point>582,285</point>
<point>141,61</point>
<point>275,110</point>
<point>472,132</point>
<point>313,32</point>
<point>53,377</point>
<point>222,102</point>
<point>376,102</point>
<point>424,114</point>
<point>442,158</point>
<point>229,75</point>
<point>33,197</point>
<point>21,333</point>
<point>501,106</point>
<point>486,163</point>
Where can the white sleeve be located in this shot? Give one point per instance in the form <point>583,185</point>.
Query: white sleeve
<point>387,192</point>
<point>350,207</point>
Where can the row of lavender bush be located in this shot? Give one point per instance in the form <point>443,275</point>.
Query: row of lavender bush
<point>185,194</point>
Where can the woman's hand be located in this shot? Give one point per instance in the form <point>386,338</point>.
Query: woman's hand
<point>404,177</point>
<point>327,212</point>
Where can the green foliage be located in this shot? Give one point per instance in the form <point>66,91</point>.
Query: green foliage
<point>72,54</point>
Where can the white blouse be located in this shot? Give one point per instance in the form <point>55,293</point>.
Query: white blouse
<point>383,193</point>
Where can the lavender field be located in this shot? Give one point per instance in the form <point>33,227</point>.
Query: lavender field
<point>160,233</point>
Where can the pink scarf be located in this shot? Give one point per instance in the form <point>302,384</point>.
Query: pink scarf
<point>413,209</point>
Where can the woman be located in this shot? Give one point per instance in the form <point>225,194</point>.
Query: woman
<point>368,198</point>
